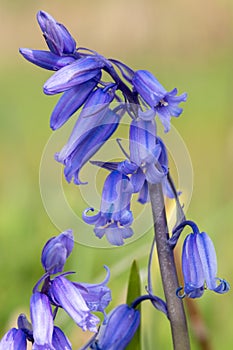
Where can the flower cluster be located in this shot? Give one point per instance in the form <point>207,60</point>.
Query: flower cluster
<point>79,300</point>
<point>139,94</point>
<point>103,100</point>
<point>78,76</point>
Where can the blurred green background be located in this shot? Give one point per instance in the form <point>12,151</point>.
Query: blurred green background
<point>187,44</point>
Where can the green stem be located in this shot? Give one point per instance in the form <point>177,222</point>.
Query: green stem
<point>168,271</point>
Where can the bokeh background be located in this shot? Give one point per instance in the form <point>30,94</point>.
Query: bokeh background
<point>187,44</point>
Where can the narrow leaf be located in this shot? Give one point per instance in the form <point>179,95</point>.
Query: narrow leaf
<point>134,291</point>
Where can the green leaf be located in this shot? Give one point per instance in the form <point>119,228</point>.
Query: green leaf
<point>134,291</point>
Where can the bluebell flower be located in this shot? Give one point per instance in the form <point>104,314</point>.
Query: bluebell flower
<point>57,37</point>
<point>115,217</point>
<point>78,72</point>
<point>199,264</point>
<point>14,339</point>
<point>77,299</point>
<point>56,251</point>
<point>164,103</point>
<point>96,296</point>
<point>61,44</point>
<point>82,73</point>
<point>93,128</point>
<point>64,294</point>
<point>118,331</point>
<point>42,321</point>
<point>145,151</point>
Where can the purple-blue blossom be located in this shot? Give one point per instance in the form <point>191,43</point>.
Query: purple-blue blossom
<point>199,264</point>
<point>145,151</point>
<point>51,293</point>
<point>77,299</point>
<point>118,331</point>
<point>56,251</point>
<point>165,104</point>
<point>65,295</point>
<point>115,217</point>
<point>76,73</point>
<point>93,128</point>
<point>42,321</point>
<point>57,37</point>
<point>62,46</point>
<point>97,296</point>
<point>14,339</point>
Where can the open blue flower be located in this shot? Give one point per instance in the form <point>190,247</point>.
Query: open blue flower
<point>164,103</point>
<point>64,294</point>
<point>199,264</point>
<point>88,297</point>
<point>97,296</point>
<point>115,216</point>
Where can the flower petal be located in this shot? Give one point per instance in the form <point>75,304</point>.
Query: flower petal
<point>42,321</point>
<point>208,258</point>
<point>116,195</point>
<point>70,102</point>
<point>115,234</point>
<point>56,251</point>
<point>45,59</point>
<point>88,122</point>
<point>117,332</point>
<point>56,35</point>
<point>76,73</point>
<point>142,141</point>
<point>148,87</point>
<point>191,265</point>
<point>96,296</point>
<point>70,299</point>
<point>89,144</point>
<point>60,341</point>
<point>14,339</point>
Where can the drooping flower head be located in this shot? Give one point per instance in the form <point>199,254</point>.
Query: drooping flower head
<point>65,295</point>
<point>164,103</point>
<point>145,151</point>
<point>199,264</point>
<point>77,299</point>
<point>96,123</point>
<point>42,321</point>
<point>115,217</point>
<point>56,251</point>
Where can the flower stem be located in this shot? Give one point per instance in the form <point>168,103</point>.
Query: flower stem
<point>168,271</point>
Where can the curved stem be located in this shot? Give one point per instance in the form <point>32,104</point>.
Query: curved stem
<point>168,271</point>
